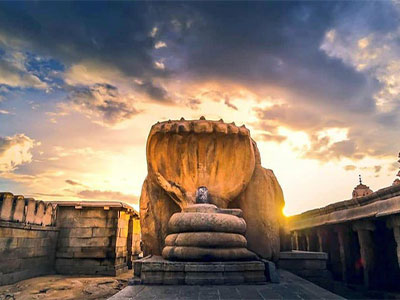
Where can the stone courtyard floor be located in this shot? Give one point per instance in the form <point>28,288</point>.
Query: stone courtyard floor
<point>290,287</point>
<point>56,287</point>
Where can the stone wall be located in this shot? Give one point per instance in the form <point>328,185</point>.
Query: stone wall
<point>27,238</point>
<point>94,240</point>
<point>39,238</point>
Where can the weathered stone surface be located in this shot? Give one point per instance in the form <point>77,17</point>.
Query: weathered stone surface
<point>302,255</point>
<point>271,272</point>
<point>26,252</point>
<point>40,210</point>
<point>173,155</point>
<point>206,239</point>
<point>7,201</point>
<point>30,211</point>
<point>184,155</point>
<point>156,208</point>
<point>207,254</point>
<point>49,215</point>
<point>192,222</point>
<point>19,211</point>
<point>202,208</point>
<point>156,270</point>
<point>262,203</point>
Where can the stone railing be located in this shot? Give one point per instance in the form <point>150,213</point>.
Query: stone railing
<point>18,209</point>
<point>28,238</point>
<point>361,237</point>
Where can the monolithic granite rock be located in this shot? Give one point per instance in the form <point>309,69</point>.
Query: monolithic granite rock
<point>185,155</point>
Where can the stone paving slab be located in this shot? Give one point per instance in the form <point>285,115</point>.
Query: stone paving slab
<point>290,287</point>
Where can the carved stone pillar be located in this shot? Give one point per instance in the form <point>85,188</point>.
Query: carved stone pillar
<point>295,240</point>
<point>394,223</point>
<point>365,231</point>
<point>346,257</point>
<point>322,235</point>
<point>307,235</point>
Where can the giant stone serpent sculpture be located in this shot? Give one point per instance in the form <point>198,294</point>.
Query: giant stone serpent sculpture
<point>185,155</point>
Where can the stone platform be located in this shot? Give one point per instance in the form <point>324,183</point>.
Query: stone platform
<point>290,287</point>
<point>156,270</point>
<point>309,265</point>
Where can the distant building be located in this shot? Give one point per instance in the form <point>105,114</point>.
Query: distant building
<point>397,180</point>
<point>361,190</point>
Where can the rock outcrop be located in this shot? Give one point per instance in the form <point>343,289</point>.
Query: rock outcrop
<point>185,155</point>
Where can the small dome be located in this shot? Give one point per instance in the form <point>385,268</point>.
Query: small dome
<point>361,190</point>
<point>397,180</point>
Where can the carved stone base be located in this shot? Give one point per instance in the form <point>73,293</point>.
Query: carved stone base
<point>156,270</point>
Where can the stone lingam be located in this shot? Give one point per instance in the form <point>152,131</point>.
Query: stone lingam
<point>204,232</point>
<point>208,209</point>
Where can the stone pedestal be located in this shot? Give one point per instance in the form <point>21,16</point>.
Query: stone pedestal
<point>156,270</point>
<point>310,265</point>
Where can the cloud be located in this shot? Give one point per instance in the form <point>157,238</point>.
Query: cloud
<point>15,151</point>
<point>370,47</point>
<point>103,100</point>
<point>44,32</point>
<point>154,91</point>
<point>13,72</point>
<point>49,194</point>
<point>160,44</point>
<point>350,167</point>
<point>393,167</point>
<point>107,195</point>
<point>271,137</point>
<point>377,169</point>
<point>74,183</point>
<point>229,104</point>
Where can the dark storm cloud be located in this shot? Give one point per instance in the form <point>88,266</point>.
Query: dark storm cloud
<point>113,33</point>
<point>270,43</point>
<point>156,92</point>
<point>104,100</point>
<point>108,33</point>
<point>258,43</point>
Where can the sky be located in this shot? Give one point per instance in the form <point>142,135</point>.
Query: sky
<point>81,84</point>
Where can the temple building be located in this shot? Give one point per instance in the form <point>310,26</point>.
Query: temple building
<point>361,190</point>
<point>397,180</point>
<point>361,236</point>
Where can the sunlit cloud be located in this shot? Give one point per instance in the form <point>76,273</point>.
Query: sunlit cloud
<point>160,44</point>
<point>15,151</point>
